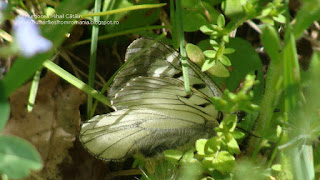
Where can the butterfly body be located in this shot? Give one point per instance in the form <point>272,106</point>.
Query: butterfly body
<point>153,111</point>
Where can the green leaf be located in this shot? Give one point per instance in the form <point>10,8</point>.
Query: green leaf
<point>207,29</point>
<point>226,38</point>
<point>244,60</point>
<point>210,53</point>
<point>228,51</point>
<point>218,70</point>
<point>233,146</point>
<point>230,121</point>
<point>280,18</point>
<point>232,9</point>
<point>214,44</point>
<point>223,162</point>
<point>196,15</point>
<point>221,22</point>
<point>276,167</point>
<point>188,156</point>
<point>18,157</point>
<point>266,11</point>
<point>309,13</point>
<point>195,54</point>
<point>212,145</point>
<point>234,102</point>
<point>200,146</point>
<point>208,64</point>
<point>220,50</point>
<point>173,156</point>
<point>267,20</point>
<point>249,9</point>
<point>238,134</point>
<point>225,60</point>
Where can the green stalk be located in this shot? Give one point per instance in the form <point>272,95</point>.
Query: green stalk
<point>292,159</point>
<point>111,35</point>
<point>33,90</point>
<point>182,47</point>
<point>173,26</point>
<point>76,82</point>
<point>273,86</point>
<point>131,8</point>
<point>93,54</point>
<point>107,6</point>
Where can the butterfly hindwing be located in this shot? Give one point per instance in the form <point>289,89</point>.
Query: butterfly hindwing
<point>149,125</point>
<point>153,111</point>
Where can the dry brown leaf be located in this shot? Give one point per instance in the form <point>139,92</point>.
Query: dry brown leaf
<point>53,124</point>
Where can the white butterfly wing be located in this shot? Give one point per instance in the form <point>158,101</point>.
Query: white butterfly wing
<point>151,124</point>
<point>153,112</point>
<point>146,92</point>
<point>160,60</point>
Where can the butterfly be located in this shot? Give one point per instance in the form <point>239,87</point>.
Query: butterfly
<point>152,110</point>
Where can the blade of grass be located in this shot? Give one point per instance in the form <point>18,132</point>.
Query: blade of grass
<point>182,47</point>
<point>93,54</point>
<point>307,160</point>
<point>291,83</point>
<point>303,156</point>
<point>33,90</point>
<point>291,74</point>
<point>76,82</point>
<point>4,107</point>
<point>107,6</point>
<point>272,44</point>
<point>308,13</point>
<point>6,36</point>
<point>124,65</point>
<point>131,8</point>
<point>300,155</point>
<point>173,26</point>
<point>111,35</point>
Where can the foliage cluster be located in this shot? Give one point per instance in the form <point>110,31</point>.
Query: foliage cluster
<point>284,144</point>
